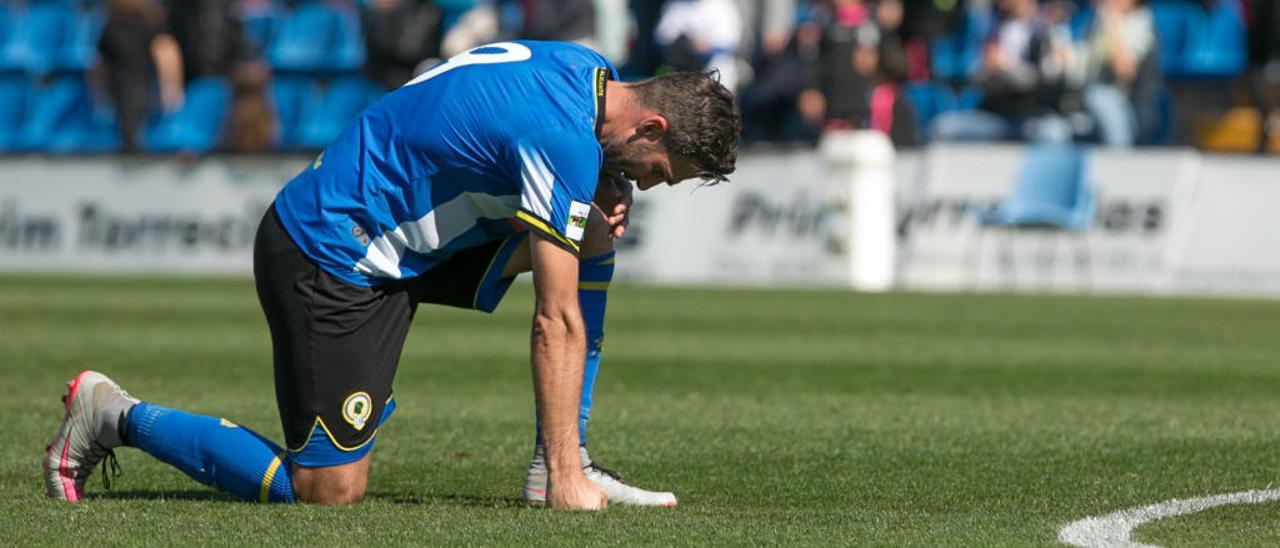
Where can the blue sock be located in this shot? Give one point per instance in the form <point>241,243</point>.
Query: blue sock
<point>212,451</point>
<point>594,275</point>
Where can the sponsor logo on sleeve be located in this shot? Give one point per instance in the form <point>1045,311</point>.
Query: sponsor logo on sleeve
<point>577,223</point>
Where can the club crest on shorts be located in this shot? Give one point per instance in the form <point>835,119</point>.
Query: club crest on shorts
<point>356,410</point>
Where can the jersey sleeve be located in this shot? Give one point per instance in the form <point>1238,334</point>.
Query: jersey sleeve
<point>558,174</point>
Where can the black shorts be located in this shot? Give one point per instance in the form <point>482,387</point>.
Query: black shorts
<point>336,345</point>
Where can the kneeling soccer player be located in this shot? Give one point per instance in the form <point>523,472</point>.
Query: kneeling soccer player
<point>441,192</point>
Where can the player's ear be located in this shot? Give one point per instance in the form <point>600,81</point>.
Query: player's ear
<point>652,128</point>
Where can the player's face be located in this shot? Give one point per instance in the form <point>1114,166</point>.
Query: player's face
<point>646,163</point>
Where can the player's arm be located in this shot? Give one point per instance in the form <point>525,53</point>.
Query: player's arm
<point>557,349</point>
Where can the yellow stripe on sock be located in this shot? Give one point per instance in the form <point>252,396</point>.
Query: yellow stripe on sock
<point>265,494</point>
<point>610,261</point>
<point>594,286</point>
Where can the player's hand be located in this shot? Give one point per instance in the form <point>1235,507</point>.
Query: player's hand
<point>573,491</point>
<point>613,199</point>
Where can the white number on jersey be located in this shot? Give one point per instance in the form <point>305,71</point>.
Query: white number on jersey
<point>501,52</point>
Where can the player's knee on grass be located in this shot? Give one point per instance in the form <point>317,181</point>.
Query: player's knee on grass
<point>343,484</point>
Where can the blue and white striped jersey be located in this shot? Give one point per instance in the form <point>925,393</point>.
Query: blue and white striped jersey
<point>500,136</point>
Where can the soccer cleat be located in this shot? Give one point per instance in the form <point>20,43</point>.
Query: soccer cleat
<point>535,483</point>
<point>93,410</point>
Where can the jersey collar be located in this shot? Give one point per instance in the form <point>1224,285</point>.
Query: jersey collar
<point>599,79</point>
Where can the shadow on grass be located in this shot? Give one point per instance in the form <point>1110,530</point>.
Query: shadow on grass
<point>452,499</point>
<point>184,495</point>
<point>209,495</point>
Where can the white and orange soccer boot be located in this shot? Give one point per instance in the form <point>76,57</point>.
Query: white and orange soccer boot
<point>535,483</point>
<point>93,409</point>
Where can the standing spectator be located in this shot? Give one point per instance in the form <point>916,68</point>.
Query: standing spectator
<point>209,35</point>
<point>1264,58</point>
<point>252,125</point>
<point>138,53</point>
<point>840,44</point>
<point>890,112</point>
<point>769,25</point>
<point>566,20</point>
<point>1118,70</point>
<point>398,35</point>
<point>768,102</point>
<point>645,57</point>
<point>924,21</point>
<point>1022,77</point>
<point>929,19</point>
<point>702,35</point>
<point>467,24</point>
<point>888,17</point>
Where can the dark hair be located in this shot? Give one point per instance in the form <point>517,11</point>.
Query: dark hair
<point>703,122</point>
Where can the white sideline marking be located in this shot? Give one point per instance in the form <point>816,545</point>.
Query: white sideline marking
<point>1113,530</point>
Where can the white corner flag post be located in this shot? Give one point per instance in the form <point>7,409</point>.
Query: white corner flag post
<point>860,175</point>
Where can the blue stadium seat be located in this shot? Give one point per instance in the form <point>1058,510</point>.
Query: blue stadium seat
<point>1051,191</point>
<point>924,101</point>
<point>953,57</point>
<point>933,98</point>
<point>317,37</point>
<point>15,95</point>
<point>292,96</point>
<point>58,117</point>
<point>37,36</point>
<point>332,109</point>
<point>1216,43</point>
<point>1172,20</point>
<point>197,126</point>
<point>1081,23</point>
<point>80,44</point>
<point>258,24</point>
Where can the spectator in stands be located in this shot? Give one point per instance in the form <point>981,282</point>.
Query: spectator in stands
<point>252,123</point>
<point>890,112</point>
<point>467,24</point>
<point>209,35</point>
<point>888,16</point>
<point>929,19</point>
<point>646,56</point>
<point>1022,77</point>
<point>768,103</point>
<point>856,77</point>
<point>836,94</point>
<point>1264,57</point>
<point>566,20</point>
<point>768,24</point>
<point>924,21</point>
<point>702,35</point>
<point>1117,67</point>
<point>399,34</point>
<point>138,54</point>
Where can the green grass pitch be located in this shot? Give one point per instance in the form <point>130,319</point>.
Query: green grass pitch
<point>778,417</point>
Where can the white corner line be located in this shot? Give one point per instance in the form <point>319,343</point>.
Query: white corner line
<point>1113,530</point>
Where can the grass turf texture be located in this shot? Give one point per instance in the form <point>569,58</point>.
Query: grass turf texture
<point>777,417</point>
